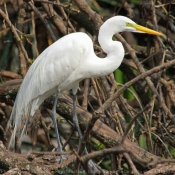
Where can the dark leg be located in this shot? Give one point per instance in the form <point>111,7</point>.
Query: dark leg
<point>75,121</point>
<point>93,166</point>
<point>55,122</point>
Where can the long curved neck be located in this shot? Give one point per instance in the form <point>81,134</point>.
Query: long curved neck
<point>114,49</point>
<point>106,32</point>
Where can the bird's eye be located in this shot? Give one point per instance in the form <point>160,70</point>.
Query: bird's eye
<point>127,24</point>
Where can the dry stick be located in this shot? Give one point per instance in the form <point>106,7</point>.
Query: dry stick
<point>141,69</point>
<point>118,149</point>
<point>85,138</point>
<point>9,74</point>
<point>117,117</point>
<point>19,43</point>
<point>50,153</point>
<point>2,130</point>
<point>106,85</point>
<point>85,94</point>
<point>57,21</point>
<point>34,45</point>
<point>100,89</point>
<point>125,5</point>
<point>101,153</point>
<point>157,44</point>
<point>170,42</point>
<point>114,163</point>
<point>151,56</point>
<point>128,109</point>
<point>49,2</point>
<point>161,169</point>
<point>43,20</point>
<point>68,139</point>
<point>128,84</point>
<point>131,164</point>
<point>65,16</point>
<point>162,15</point>
<point>58,4</point>
<point>19,26</point>
<point>169,86</point>
<point>35,127</point>
<point>154,15</point>
<point>130,62</point>
<point>46,130</point>
<point>112,90</point>
<point>12,160</point>
<point>5,9</point>
<point>25,21</point>
<point>66,136</point>
<point>166,18</point>
<point>132,122</point>
<point>93,16</point>
<point>96,91</point>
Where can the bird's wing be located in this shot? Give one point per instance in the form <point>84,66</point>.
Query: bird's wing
<point>51,69</point>
<point>55,65</point>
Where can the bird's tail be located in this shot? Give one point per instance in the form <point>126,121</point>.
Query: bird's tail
<point>16,121</point>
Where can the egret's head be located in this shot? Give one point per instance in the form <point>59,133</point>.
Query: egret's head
<point>118,24</point>
<point>129,25</point>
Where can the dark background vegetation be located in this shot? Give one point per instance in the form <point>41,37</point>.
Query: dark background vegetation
<point>127,118</point>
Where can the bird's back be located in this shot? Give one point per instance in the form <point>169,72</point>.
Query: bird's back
<point>52,69</point>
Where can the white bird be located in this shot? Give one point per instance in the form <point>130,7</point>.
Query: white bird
<point>64,64</point>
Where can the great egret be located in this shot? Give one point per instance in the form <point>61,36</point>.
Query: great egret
<point>63,65</point>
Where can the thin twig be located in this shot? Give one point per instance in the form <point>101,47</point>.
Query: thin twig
<point>43,20</point>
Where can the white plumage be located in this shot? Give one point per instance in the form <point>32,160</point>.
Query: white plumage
<point>64,64</point>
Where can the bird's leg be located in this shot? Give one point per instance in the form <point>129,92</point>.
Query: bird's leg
<point>75,121</point>
<point>93,166</point>
<point>55,122</point>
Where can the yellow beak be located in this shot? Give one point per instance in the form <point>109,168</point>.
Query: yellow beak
<point>147,30</point>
